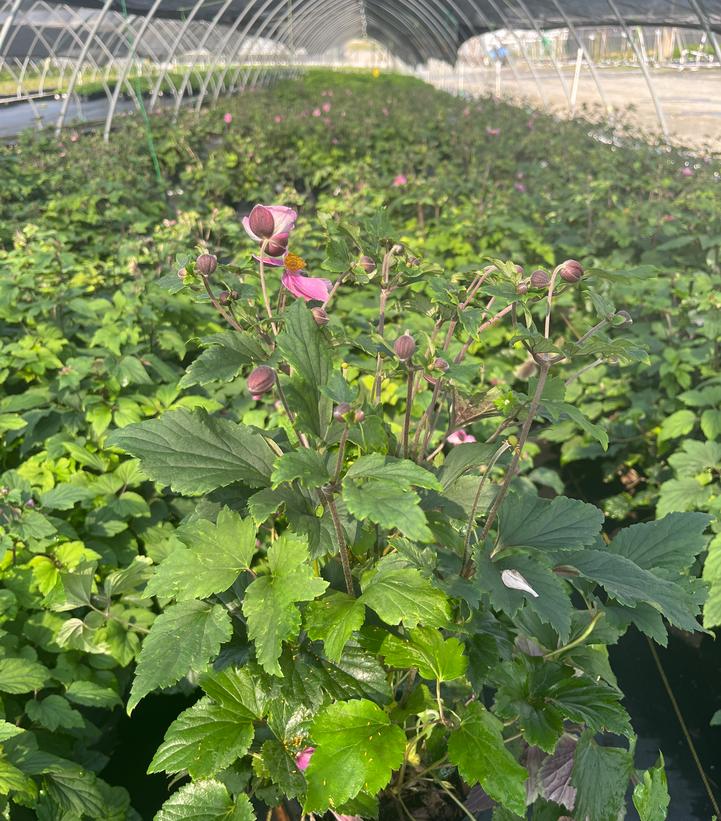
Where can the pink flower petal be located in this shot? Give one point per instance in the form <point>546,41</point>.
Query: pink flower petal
<point>275,262</point>
<point>306,288</point>
<point>246,225</point>
<point>460,437</point>
<point>401,179</point>
<point>302,760</point>
<point>284,218</point>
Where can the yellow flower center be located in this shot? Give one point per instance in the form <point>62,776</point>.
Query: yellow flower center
<point>293,262</point>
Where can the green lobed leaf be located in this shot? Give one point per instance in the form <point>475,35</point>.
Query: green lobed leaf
<point>270,603</point>
<point>600,776</point>
<point>54,712</point>
<point>402,472</point>
<point>304,345</point>
<point>478,750</point>
<point>650,796</point>
<point>183,638</point>
<point>671,543</point>
<point>559,524</point>
<point>333,620</point>
<point>207,800</point>
<point>435,658</point>
<point>215,557</point>
<point>465,457</point>
<point>677,424</point>
<point>306,465</point>
<point>357,749</point>
<point>244,691</point>
<point>195,453</point>
<point>227,354</point>
<point>388,505</point>
<point>630,584</point>
<point>402,594</point>
<point>204,739</point>
<point>19,675</point>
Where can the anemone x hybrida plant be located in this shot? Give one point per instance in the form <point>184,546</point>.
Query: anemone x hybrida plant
<point>380,610</point>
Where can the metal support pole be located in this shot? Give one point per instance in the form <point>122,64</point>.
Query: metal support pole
<point>7,25</point>
<point>120,81</point>
<point>644,68</point>
<point>173,50</point>
<point>703,17</point>
<point>78,65</point>
<point>579,43</point>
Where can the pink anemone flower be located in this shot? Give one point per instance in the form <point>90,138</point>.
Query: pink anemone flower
<point>302,760</point>
<point>326,107</point>
<point>271,224</point>
<point>493,132</point>
<point>460,437</point>
<point>686,171</point>
<point>307,288</point>
<point>227,118</point>
<point>401,179</point>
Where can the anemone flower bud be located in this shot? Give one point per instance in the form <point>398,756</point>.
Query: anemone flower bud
<point>182,273</point>
<point>518,269</point>
<point>261,222</point>
<point>359,416</point>
<point>540,279</point>
<point>261,380</point>
<point>413,262</point>
<point>627,318</point>
<point>368,264</point>
<point>440,364</point>
<point>570,271</point>
<point>206,264</point>
<point>522,288</point>
<point>341,411</point>
<point>404,347</point>
<point>224,297</point>
<point>277,246</point>
<point>320,316</point>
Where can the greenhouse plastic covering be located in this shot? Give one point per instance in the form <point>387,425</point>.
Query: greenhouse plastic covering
<point>116,35</point>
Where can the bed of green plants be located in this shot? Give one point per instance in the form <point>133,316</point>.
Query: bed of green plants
<point>377,505</point>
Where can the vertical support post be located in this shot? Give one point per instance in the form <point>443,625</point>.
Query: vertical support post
<point>576,80</point>
<point>120,81</point>
<point>703,18</point>
<point>579,43</point>
<point>78,65</point>
<point>498,79</point>
<point>643,62</point>
<point>7,25</point>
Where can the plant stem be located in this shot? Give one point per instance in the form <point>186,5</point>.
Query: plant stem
<point>589,367</point>
<point>439,701</point>
<point>342,547</point>
<point>474,508</point>
<point>228,317</point>
<point>263,287</point>
<point>455,800</point>
<point>586,633</point>
<point>522,439</point>
<point>381,324</point>
<point>427,414</point>
<point>481,328</point>
<point>409,407</point>
<point>341,454</point>
<point>549,303</point>
<point>291,416</point>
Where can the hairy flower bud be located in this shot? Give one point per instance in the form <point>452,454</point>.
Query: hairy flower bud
<point>261,380</point>
<point>440,364</point>
<point>413,261</point>
<point>182,273</point>
<point>320,316</point>
<point>518,269</point>
<point>570,271</point>
<point>341,411</point>
<point>224,297</point>
<point>359,416</point>
<point>261,222</point>
<point>404,347</point>
<point>522,288</point>
<point>368,264</point>
<point>206,264</point>
<point>540,279</point>
<point>627,318</point>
